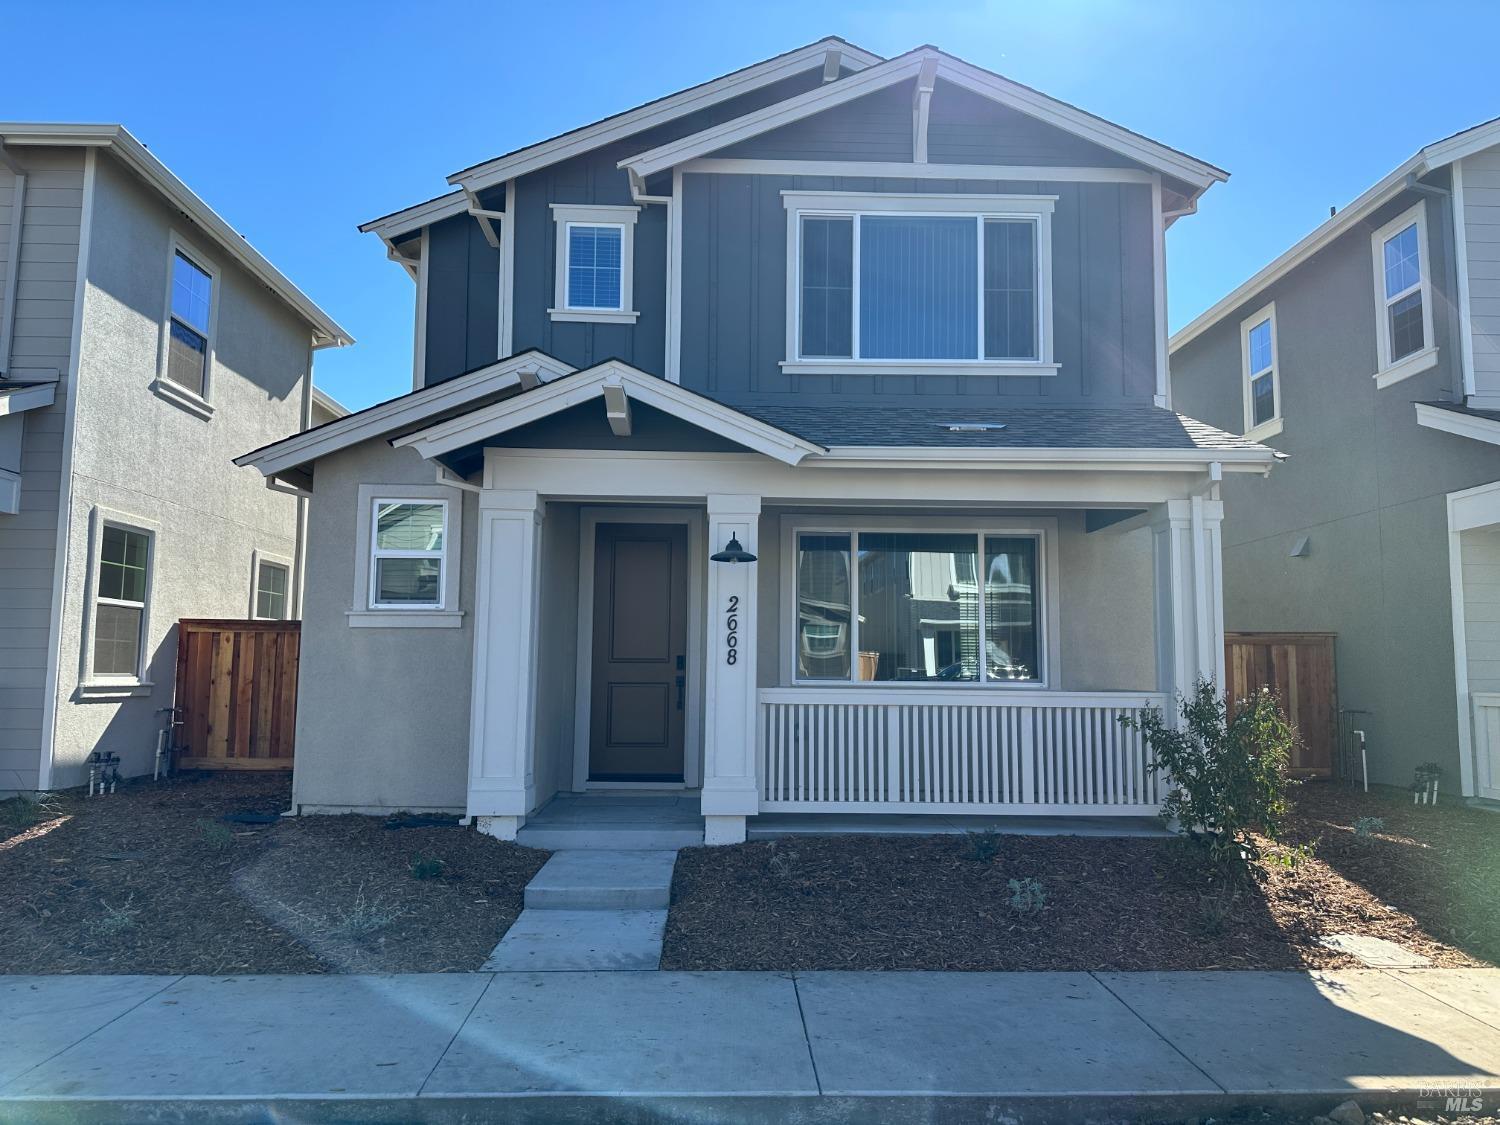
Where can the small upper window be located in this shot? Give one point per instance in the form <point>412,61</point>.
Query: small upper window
<point>407,555</point>
<point>120,601</point>
<point>1403,297</point>
<point>271,590</point>
<point>595,246</point>
<point>1262,378</point>
<point>192,308</point>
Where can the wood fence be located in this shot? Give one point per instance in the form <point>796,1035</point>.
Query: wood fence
<point>1299,669</point>
<point>237,688</point>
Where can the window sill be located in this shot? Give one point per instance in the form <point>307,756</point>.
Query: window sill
<point>405,618</point>
<point>1264,430</point>
<point>920,367</point>
<point>594,316</point>
<point>181,396</point>
<point>104,690</point>
<point>1411,365</point>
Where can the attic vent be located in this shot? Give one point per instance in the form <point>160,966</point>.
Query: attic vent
<point>971,427</point>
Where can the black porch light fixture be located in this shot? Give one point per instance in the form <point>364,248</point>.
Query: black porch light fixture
<point>732,553</point>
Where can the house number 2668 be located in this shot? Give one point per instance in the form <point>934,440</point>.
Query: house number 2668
<point>732,630</point>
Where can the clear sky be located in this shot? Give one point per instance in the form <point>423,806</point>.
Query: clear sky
<point>297,121</point>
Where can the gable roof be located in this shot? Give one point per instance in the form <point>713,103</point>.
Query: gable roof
<point>617,383</point>
<point>658,112</point>
<point>117,140</point>
<point>1134,146</point>
<point>1427,159</point>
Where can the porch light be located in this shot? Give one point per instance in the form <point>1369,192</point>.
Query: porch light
<point>732,553</point>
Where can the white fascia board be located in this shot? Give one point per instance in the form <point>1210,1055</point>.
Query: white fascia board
<point>401,413</point>
<point>512,414</point>
<point>1021,98</point>
<point>26,398</point>
<point>1058,457</point>
<point>1457,422</point>
<point>658,112</point>
<point>393,226</point>
<point>1430,158</point>
<point>135,156</point>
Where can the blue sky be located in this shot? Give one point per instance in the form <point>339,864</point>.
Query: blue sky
<point>298,121</point>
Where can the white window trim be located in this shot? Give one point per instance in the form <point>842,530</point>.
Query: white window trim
<point>364,614</point>
<point>1036,208</point>
<point>192,402</point>
<point>1042,528</point>
<point>1272,425</point>
<point>107,687</point>
<point>257,557</point>
<point>1387,371</point>
<point>565,215</point>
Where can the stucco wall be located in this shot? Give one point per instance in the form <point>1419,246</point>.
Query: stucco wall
<point>382,714</point>
<point>147,459</point>
<point>1363,482</point>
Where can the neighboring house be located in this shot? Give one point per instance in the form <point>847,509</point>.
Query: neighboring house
<point>895,328</point>
<point>143,344</point>
<point>1370,353</point>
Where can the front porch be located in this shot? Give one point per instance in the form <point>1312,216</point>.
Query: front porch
<point>903,631</point>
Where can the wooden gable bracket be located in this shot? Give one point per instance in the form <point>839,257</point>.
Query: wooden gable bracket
<point>832,61</point>
<point>921,107</point>
<point>617,407</point>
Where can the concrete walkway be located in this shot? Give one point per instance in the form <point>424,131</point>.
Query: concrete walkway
<point>646,1046</point>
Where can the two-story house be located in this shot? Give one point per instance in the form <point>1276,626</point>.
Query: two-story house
<point>1369,353</point>
<point>801,441</point>
<point>143,343</point>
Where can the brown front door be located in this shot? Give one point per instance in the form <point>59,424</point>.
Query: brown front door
<point>640,650</point>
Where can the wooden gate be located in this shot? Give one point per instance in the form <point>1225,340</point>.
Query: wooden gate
<point>237,687</point>
<point>1297,667</point>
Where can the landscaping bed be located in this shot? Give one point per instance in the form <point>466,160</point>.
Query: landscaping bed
<point>1427,879</point>
<point>151,879</point>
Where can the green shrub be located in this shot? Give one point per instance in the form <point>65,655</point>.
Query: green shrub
<point>1227,776</point>
<point>27,809</point>
<point>425,867</point>
<point>1366,827</point>
<point>1027,896</point>
<point>215,835</point>
<point>983,846</point>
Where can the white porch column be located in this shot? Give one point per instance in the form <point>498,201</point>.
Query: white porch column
<point>1189,594</point>
<point>503,707</point>
<point>730,789</point>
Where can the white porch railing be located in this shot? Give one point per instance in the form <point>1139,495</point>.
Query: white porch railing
<point>954,751</point>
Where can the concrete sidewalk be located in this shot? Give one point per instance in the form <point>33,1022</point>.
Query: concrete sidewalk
<point>645,1046</point>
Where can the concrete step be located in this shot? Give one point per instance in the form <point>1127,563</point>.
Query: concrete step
<point>563,940</point>
<point>603,880</point>
<point>614,837</point>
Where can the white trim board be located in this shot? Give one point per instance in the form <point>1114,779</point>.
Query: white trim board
<point>1002,90</point>
<point>895,170</point>
<point>1426,160</point>
<point>662,110</point>
<point>692,743</point>
<point>1457,422</point>
<point>402,413</point>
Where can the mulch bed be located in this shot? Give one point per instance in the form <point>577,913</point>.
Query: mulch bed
<point>152,880</point>
<point>1430,880</point>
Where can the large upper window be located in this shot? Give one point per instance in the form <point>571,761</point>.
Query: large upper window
<point>1403,297</point>
<point>407,554</point>
<point>595,252</point>
<point>122,586</point>
<point>1262,373</point>
<point>907,606</point>
<point>188,331</point>
<point>918,282</point>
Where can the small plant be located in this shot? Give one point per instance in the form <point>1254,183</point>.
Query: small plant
<point>1228,775</point>
<point>363,918</point>
<point>27,809</point>
<point>112,920</point>
<point>1292,858</point>
<point>983,846</point>
<point>1366,827</point>
<point>783,861</point>
<point>424,867</point>
<point>1216,907</point>
<point>215,835</point>
<point>1027,896</point>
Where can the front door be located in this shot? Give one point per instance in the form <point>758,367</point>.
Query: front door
<point>640,652</point>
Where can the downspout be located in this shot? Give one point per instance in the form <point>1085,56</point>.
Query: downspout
<point>299,548</point>
<point>13,259</point>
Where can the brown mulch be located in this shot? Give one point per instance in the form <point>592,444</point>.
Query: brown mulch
<point>1430,881</point>
<point>151,880</point>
